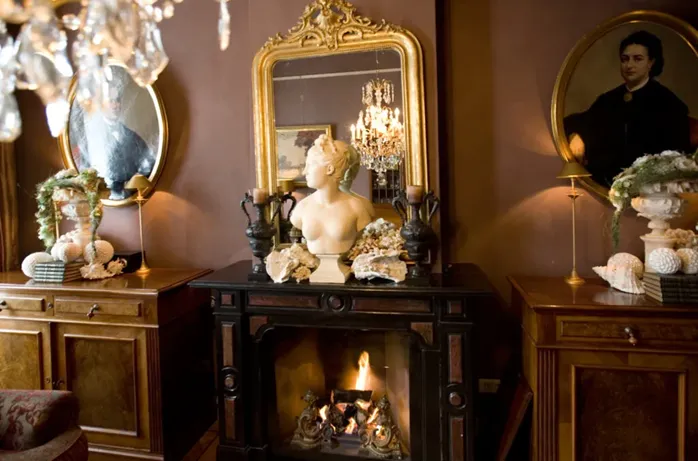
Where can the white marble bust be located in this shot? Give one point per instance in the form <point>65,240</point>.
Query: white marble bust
<point>329,218</point>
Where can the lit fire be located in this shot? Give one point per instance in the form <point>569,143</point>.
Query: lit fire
<point>323,412</point>
<point>362,381</point>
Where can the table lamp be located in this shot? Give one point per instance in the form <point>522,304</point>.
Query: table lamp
<point>572,171</point>
<point>140,183</point>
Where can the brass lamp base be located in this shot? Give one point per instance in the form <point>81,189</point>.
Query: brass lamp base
<point>574,279</point>
<point>144,269</point>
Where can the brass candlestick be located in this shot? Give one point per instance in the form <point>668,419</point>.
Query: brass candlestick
<point>140,183</point>
<point>572,171</point>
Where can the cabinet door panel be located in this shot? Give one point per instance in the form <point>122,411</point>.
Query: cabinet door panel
<point>631,406</point>
<point>25,358</point>
<point>106,368</point>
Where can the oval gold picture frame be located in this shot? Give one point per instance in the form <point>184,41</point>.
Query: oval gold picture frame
<point>162,147</point>
<point>569,66</point>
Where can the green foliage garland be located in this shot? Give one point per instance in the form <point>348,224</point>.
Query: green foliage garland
<point>87,182</point>
<point>667,167</point>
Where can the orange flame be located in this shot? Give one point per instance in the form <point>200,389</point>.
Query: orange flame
<point>373,416</point>
<point>323,412</point>
<point>351,427</point>
<point>362,381</point>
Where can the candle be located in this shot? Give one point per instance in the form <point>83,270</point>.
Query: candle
<point>353,132</point>
<point>259,196</point>
<point>415,194</point>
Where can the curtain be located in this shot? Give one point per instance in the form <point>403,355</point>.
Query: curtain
<point>9,220</point>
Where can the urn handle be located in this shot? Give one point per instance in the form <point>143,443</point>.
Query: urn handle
<point>294,202</point>
<point>432,202</point>
<point>243,206</point>
<point>279,205</point>
<point>400,207</point>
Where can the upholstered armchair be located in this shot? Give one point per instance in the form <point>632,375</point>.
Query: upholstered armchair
<point>40,426</point>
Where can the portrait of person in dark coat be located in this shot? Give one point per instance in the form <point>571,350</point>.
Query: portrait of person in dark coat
<point>640,116</point>
<point>120,139</point>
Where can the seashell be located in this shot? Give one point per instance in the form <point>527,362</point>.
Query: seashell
<point>689,260</point>
<point>30,262</point>
<point>664,261</point>
<point>98,253</point>
<point>627,259</point>
<point>621,277</point>
<point>66,252</point>
<point>383,264</point>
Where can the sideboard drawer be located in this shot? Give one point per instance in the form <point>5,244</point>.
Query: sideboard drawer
<point>20,302</point>
<point>95,308</point>
<point>628,331</point>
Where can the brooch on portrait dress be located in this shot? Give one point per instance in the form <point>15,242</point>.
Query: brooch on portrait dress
<point>628,96</point>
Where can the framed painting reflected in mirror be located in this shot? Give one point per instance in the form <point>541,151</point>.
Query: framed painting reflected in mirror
<point>127,136</point>
<point>292,144</point>
<point>626,90</point>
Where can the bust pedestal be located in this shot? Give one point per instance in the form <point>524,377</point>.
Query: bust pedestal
<point>330,270</point>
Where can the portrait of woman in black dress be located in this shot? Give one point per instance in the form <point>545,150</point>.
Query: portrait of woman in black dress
<point>638,117</point>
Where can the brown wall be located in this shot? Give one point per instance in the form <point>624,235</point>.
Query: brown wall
<point>507,211</point>
<point>194,218</point>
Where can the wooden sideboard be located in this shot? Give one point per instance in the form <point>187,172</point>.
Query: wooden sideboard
<point>135,350</point>
<point>614,375</point>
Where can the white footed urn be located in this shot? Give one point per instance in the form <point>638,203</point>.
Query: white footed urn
<point>659,203</point>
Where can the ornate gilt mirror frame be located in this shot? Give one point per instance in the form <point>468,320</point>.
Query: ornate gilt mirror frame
<point>562,84</point>
<point>329,27</point>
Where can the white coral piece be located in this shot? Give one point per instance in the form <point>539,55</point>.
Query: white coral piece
<point>621,277</point>
<point>689,260</point>
<point>30,262</point>
<point>66,252</point>
<point>664,261</point>
<point>627,259</point>
<point>97,271</point>
<point>384,264</point>
<point>98,252</point>
<point>293,262</point>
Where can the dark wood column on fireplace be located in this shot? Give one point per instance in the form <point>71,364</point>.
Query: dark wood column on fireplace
<point>440,316</point>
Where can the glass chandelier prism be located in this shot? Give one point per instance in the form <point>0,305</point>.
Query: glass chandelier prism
<point>107,32</point>
<point>378,135</point>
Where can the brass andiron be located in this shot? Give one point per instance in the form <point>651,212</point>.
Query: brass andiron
<point>140,183</point>
<point>419,237</point>
<point>308,434</point>
<point>260,233</point>
<point>572,171</point>
<point>380,435</point>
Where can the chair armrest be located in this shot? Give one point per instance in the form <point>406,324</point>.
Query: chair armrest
<point>29,419</point>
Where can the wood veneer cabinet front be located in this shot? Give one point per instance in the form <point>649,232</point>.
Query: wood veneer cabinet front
<point>614,375</point>
<point>136,351</point>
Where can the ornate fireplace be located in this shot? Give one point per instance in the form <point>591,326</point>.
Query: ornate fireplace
<point>346,372</point>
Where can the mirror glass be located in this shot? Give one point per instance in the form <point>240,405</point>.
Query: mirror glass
<point>128,136</point>
<point>323,94</point>
<point>631,93</point>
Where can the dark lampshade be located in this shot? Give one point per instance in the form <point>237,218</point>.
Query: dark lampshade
<point>573,170</point>
<point>138,182</point>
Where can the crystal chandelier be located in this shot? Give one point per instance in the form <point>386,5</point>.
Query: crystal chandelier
<point>378,135</point>
<point>108,31</point>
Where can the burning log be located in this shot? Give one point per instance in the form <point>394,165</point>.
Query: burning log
<point>351,395</point>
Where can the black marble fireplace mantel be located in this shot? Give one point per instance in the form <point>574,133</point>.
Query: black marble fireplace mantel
<point>438,320</point>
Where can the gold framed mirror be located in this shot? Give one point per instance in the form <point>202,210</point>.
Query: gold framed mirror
<point>625,90</point>
<point>128,137</point>
<point>313,76</point>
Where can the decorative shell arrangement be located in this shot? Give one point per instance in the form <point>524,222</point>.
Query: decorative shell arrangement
<point>664,261</point>
<point>689,260</point>
<point>292,262</point>
<point>376,236</point>
<point>623,272</point>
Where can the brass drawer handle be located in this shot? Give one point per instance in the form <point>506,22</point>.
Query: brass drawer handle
<point>3,303</point>
<point>631,336</point>
<point>49,306</point>
<point>93,309</point>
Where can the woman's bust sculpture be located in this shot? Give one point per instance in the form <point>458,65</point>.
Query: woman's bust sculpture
<point>329,218</point>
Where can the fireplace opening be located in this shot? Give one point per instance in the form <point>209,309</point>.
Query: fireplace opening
<point>342,392</point>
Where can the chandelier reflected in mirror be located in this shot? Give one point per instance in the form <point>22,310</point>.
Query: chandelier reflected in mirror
<point>378,135</point>
<point>107,31</point>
